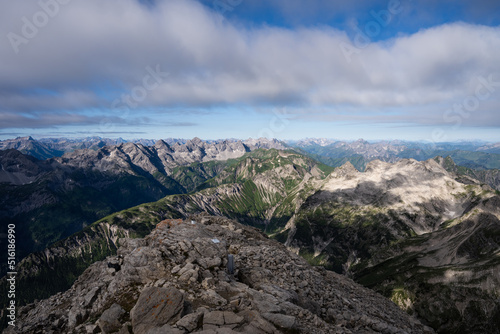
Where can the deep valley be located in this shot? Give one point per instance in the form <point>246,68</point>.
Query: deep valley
<point>424,234</point>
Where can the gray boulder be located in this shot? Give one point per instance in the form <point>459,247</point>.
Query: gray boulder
<point>156,307</point>
<point>111,319</point>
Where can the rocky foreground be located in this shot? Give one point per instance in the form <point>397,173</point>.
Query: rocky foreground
<point>177,280</point>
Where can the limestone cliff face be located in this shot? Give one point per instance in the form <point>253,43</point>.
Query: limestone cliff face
<point>176,280</point>
<point>400,200</point>
<point>131,158</point>
<point>47,148</point>
<point>52,199</point>
<point>162,157</point>
<point>421,235</point>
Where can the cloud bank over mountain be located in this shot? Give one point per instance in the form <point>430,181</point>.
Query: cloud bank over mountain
<point>77,62</point>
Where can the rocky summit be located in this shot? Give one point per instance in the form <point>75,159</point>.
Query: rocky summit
<point>181,278</point>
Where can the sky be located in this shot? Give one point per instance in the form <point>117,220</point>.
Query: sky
<point>288,69</point>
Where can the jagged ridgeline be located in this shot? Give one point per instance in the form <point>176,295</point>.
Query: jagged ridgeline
<point>410,230</point>
<point>49,200</point>
<point>263,188</point>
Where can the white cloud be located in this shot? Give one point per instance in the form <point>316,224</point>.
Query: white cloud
<point>94,50</point>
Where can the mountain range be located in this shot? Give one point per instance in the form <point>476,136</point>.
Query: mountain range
<point>422,233</point>
<point>478,159</point>
<point>54,198</point>
<point>476,155</point>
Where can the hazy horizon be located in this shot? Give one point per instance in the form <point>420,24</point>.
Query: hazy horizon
<point>250,138</point>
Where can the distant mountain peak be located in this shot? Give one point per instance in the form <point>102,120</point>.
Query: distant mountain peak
<point>161,143</point>
<point>26,138</point>
<point>196,141</point>
<point>347,169</point>
<point>375,165</point>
